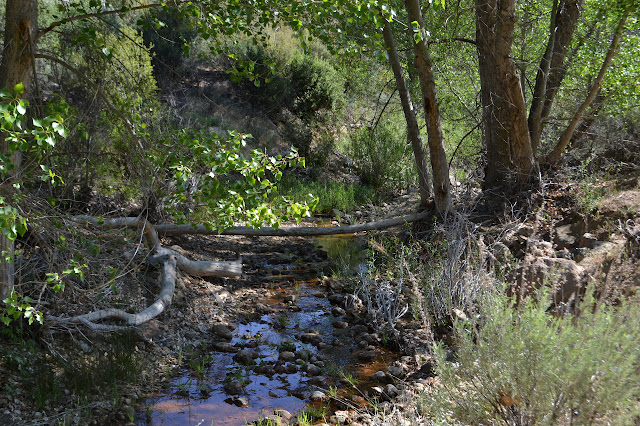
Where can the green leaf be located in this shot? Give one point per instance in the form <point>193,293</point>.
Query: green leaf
<point>19,88</point>
<point>21,109</point>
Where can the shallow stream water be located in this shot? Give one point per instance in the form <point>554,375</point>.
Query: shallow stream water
<point>267,383</point>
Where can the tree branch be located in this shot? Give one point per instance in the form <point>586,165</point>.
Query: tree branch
<point>56,24</point>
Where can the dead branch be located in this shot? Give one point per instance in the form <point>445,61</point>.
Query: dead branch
<point>200,268</point>
<point>155,309</point>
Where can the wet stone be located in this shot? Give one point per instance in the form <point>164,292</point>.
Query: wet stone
<point>287,356</point>
<point>300,393</point>
<point>340,324</point>
<point>233,388</point>
<point>252,344</point>
<point>338,312</point>
<point>224,347</point>
<point>222,331</point>
<point>238,401</point>
<point>263,309</point>
<point>312,338</point>
<point>246,357</point>
<point>313,370</point>
<point>318,381</point>
<point>366,355</point>
<point>358,329</point>
<point>291,368</point>
<point>290,298</point>
<point>265,370</point>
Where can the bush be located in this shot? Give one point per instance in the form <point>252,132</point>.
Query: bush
<point>519,365</point>
<point>317,87</point>
<point>382,157</point>
<point>167,34</point>
<point>284,76</point>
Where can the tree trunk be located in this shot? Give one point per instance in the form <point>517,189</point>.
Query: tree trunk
<point>20,28</point>
<point>413,130</point>
<point>439,165</point>
<point>564,19</point>
<point>506,134</point>
<point>554,156</point>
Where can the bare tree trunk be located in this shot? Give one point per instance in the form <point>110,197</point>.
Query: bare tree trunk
<point>20,28</point>
<point>439,165</point>
<point>413,130</point>
<point>564,19</point>
<point>554,156</point>
<point>506,134</point>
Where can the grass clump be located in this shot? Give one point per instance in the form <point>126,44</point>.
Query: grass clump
<point>332,195</point>
<point>519,365</point>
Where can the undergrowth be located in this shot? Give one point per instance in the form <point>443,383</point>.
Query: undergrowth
<point>332,195</point>
<point>520,365</point>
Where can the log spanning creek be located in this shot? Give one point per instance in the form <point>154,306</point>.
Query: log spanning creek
<point>300,357</point>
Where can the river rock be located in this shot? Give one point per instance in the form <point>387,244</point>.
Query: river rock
<point>286,356</point>
<point>320,381</point>
<point>317,396</point>
<point>233,388</point>
<point>395,370</point>
<point>338,312</point>
<point>313,370</point>
<point>265,370</point>
<point>291,368</point>
<point>291,298</point>
<point>568,277</point>
<point>224,347</point>
<point>391,390</point>
<point>313,338</point>
<point>340,418</point>
<point>239,401</point>
<point>340,324</point>
<point>222,330</point>
<point>246,357</point>
<point>366,355</point>
<point>284,415</point>
<point>379,376</point>
<point>336,298</point>
<point>358,329</point>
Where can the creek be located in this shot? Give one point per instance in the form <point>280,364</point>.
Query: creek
<point>301,354</point>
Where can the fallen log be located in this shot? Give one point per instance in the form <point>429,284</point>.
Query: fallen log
<point>200,268</point>
<point>152,311</point>
<point>291,231</point>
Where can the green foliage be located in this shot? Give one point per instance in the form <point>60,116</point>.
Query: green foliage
<point>214,183</point>
<point>168,34</point>
<point>381,156</point>
<point>35,142</point>
<point>519,365</point>
<point>331,195</point>
<point>279,74</point>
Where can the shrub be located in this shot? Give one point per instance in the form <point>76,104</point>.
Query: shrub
<point>520,365</point>
<point>381,157</point>
<point>167,34</point>
<point>283,76</point>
